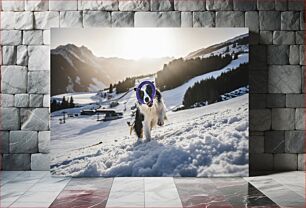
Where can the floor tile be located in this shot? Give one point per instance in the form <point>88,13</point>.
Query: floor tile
<point>30,205</point>
<point>157,184</point>
<point>80,199</point>
<point>235,190</point>
<point>32,175</point>
<point>128,184</point>
<point>295,181</point>
<point>239,193</point>
<point>10,174</point>
<point>256,198</point>
<point>161,192</point>
<point>7,176</point>
<point>126,200</point>
<point>50,184</point>
<point>163,198</point>
<point>11,191</point>
<point>39,189</point>
<point>200,192</point>
<point>89,184</point>
<point>15,187</point>
<point>35,199</point>
<point>10,198</point>
<point>23,181</point>
<point>84,192</point>
<point>277,192</point>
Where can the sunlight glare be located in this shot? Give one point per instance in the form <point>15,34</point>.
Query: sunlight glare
<point>147,43</point>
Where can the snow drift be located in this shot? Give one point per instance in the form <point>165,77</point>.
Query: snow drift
<point>206,141</point>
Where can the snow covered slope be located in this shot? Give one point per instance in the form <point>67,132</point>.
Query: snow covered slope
<point>234,45</point>
<point>206,141</point>
<point>175,96</point>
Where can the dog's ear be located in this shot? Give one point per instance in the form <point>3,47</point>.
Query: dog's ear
<point>158,95</point>
<point>135,89</point>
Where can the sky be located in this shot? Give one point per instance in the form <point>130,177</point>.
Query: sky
<point>137,43</point>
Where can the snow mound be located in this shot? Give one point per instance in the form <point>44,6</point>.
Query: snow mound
<point>207,141</point>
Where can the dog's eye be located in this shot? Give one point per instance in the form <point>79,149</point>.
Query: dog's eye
<point>141,93</point>
<point>149,90</point>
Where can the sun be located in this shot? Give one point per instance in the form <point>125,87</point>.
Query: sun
<point>147,43</point>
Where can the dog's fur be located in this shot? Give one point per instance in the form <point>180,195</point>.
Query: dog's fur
<point>148,116</point>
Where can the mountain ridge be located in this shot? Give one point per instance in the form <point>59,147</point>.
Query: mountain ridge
<point>70,63</point>
<point>209,49</point>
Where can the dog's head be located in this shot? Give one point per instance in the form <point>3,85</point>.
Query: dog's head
<point>145,94</point>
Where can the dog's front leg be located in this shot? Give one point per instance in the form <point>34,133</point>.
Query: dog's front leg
<point>147,131</point>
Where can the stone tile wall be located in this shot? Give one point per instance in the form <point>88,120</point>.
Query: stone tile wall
<point>277,126</point>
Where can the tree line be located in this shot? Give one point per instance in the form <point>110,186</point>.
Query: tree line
<point>125,85</point>
<point>64,104</point>
<point>179,71</point>
<point>210,90</point>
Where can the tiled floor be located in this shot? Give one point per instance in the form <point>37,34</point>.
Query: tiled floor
<point>39,189</point>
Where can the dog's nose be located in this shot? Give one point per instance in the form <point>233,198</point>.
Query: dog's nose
<point>160,123</point>
<point>147,100</point>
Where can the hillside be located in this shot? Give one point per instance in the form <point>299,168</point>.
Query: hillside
<point>175,97</point>
<point>242,40</point>
<point>76,69</point>
<point>178,72</point>
<point>206,141</point>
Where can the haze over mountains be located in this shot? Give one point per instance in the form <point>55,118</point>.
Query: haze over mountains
<point>77,69</point>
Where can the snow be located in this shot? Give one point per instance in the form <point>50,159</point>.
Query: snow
<point>97,85</point>
<point>175,96</point>
<point>69,87</point>
<point>206,141</point>
<point>73,111</point>
<point>78,80</point>
<point>79,98</point>
<point>84,98</point>
<point>221,51</point>
<point>235,93</point>
<point>232,49</point>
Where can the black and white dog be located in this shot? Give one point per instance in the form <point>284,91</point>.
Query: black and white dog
<point>150,114</point>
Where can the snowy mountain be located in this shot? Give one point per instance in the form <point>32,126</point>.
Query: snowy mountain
<point>77,69</point>
<point>238,44</point>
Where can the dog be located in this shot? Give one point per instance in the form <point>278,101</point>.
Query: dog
<point>149,114</point>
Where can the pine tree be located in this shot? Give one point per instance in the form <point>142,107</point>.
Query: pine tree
<point>63,102</point>
<point>211,89</point>
<point>110,88</point>
<point>71,104</point>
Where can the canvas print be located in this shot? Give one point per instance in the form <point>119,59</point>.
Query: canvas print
<point>149,102</point>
